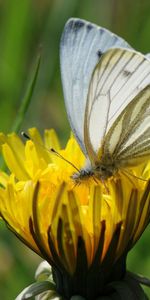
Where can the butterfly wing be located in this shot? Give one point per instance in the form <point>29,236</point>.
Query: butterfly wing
<point>120,77</point>
<point>128,140</point>
<point>81,47</point>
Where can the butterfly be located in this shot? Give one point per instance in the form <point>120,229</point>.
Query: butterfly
<point>106,86</point>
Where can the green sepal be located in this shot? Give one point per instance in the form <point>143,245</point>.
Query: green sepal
<point>51,295</point>
<point>127,289</point>
<point>140,278</point>
<point>35,289</point>
<point>44,272</point>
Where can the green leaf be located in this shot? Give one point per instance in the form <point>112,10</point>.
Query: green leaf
<point>34,289</point>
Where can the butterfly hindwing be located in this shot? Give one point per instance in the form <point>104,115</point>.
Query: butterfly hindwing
<point>118,78</point>
<point>133,125</point>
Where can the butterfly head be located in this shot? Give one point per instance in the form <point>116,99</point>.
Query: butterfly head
<point>83,175</point>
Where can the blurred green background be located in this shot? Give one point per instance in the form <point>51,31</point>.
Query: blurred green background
<point>30,26</point>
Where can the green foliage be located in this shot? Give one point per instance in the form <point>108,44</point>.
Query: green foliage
<point>26,26</point>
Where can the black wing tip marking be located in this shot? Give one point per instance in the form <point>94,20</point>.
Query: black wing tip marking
<point>89,26</point>
<point>75,24</point>
<point>102,30</point>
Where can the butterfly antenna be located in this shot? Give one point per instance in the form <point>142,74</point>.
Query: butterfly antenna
<point>126,172</point>
<point>60,156</point>
<point>25,135</point>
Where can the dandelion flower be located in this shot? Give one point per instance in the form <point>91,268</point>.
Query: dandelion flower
<point>85,231</point>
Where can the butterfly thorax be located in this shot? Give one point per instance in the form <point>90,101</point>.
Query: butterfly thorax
<point>103,171</point>
<point>99,171</point>
<point>105,167</point>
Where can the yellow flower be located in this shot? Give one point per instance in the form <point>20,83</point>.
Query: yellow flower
<point>83,231</point>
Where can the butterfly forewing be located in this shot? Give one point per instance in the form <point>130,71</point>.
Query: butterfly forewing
<point>118,78</point>
<point>82,46</point>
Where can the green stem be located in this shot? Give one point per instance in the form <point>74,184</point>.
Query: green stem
<point>27,98</point>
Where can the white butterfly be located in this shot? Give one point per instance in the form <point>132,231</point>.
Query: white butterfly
<point>107,97</point>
